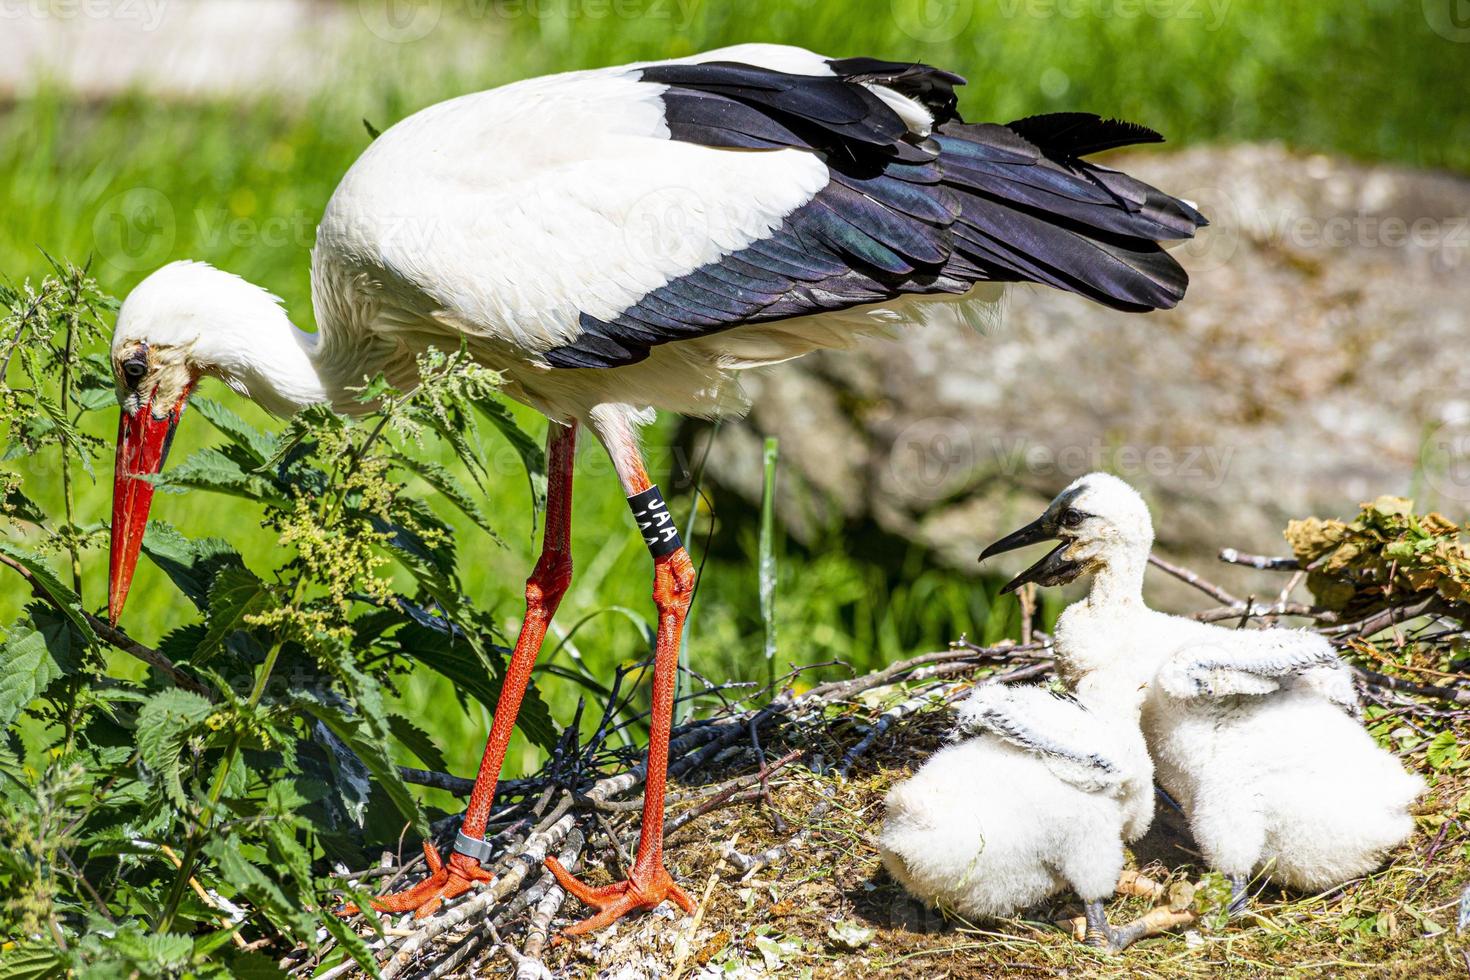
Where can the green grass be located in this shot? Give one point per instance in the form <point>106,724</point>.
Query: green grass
<point>138,181</point>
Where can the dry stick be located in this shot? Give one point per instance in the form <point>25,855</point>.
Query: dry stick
<point>886,720</point>
<point>1254,610</point>
<point>843,690</point>
<point>539,930</point>
<point>531,854</point>
<point>1266,563</point>
<point>1194,579</point>
<point>1460,695</point>
<point>115,637</point>
<point>1386,618</point>
<point>698,918</point>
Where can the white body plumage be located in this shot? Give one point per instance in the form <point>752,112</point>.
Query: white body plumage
<point>1042,798</point>
<point>1253,732</point>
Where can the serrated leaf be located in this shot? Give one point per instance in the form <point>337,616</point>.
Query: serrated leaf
<point>458,662</point>
<point>26,668</point>
<point>254,966</point>
<point>417,741</point>
<point>260,445</point>
<point>32,962</point>
<point>70,603</point>
<point>212,470</point>
<point>1444,751</point>
<point>449,487</point>
<point>164,723</point>
<point>355,732</point>
<point>226,851</point>
<point>532,456</point>
<point>236,593</point>
<point>349,940</point>
<point>192,565</point>
<point>21,507</point>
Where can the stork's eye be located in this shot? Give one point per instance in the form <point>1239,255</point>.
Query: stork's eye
<point>1072,518</point>
<point>134,370</point>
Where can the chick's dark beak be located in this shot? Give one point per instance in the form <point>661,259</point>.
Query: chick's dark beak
<point>1054,569</point>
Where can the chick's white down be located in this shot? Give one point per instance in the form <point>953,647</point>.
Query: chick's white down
<point>1040,799</point>
<point>1253,732</point>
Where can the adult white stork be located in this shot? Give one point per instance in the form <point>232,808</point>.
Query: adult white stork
<point>822,199</point>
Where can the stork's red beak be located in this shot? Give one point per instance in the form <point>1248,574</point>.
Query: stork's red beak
<point>142,446</point>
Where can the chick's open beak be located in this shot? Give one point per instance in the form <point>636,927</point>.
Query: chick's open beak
<point>143,441</point>
<point>1054,569</point>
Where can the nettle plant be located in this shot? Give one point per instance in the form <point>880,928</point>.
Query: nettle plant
<point>186,823</point>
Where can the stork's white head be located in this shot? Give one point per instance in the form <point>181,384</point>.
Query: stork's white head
<point>1099,520</point>
<point>184,321</point>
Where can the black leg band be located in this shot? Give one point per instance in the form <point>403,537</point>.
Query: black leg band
<point>655,522</point>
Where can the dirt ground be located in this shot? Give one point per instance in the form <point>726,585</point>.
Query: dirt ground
<point>827,909</point>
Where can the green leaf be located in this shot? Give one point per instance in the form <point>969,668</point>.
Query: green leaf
<point>355,732</point>
<point>349,940</point>
<point>470,673</point>
<point>32,962</point>
<point>448,485</point>
<point>227,852</point>
<point>192,565</point>
<point>42,576</point>
<point>164,724</point>
<point>212,470</point>
<point>1444,750</point>
<point>532,456</point>
<point>237,593</point>
<point>21,507</point>
<point>417,741</point>
<point>260,445</point>
<point>32,656</point>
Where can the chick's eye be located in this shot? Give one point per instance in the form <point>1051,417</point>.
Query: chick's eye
<point>1072,518</point>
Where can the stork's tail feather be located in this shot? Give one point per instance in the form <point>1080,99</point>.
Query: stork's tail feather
<point>1033,210</point>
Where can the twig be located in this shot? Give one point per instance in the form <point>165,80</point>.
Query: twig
<point>1194,579</point>
<point>1263,562</point>
<point>1454,695</point>
<point>116,637</point>
<point>539,930</point>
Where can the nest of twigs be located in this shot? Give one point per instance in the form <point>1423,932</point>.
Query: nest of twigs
<point>774,800</point>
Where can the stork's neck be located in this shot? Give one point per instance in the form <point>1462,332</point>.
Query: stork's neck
<point>1120,580</point>
<point>260,353</point>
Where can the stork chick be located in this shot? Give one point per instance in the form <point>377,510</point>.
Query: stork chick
<point>1253,732</point>
<point>1041,799</point>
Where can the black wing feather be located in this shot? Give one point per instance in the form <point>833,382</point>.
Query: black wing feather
<point>902,214</point>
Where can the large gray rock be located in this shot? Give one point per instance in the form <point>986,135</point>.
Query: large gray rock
<point>1319,359</point>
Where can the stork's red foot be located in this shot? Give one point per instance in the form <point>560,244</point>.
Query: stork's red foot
<point>643,892</point>
<point>445,881</point>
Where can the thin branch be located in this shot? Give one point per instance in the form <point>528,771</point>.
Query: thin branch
<point>1266,563</point>
<point>116,637</point>
<point>1194,579</point>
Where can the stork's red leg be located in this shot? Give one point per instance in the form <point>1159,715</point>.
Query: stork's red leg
<point>648,883</point>
<point>544,589</point>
